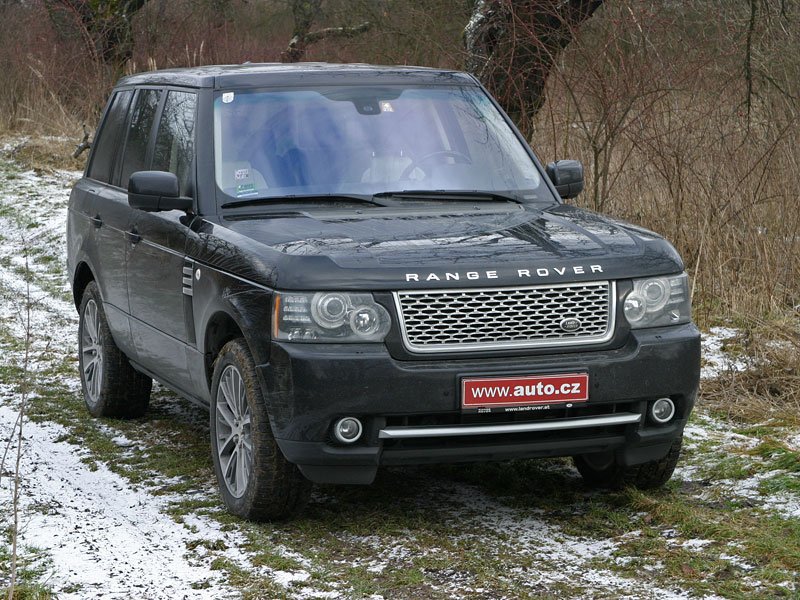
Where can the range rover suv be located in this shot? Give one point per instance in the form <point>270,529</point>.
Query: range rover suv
<point>356,266</point>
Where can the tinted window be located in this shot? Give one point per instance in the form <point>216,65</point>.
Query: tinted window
<point>144,113</point>
<point>175,139</point>
<point>109,138</point>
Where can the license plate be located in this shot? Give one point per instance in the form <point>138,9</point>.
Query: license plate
<point>513,394</point>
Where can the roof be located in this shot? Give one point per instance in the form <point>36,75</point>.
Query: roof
<point>280,74</point>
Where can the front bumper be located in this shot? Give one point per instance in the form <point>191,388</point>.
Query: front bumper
<point>411,409</point>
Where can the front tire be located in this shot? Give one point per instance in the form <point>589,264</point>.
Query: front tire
<point>603,470</point>
<point>255,480</point>
<point>111,386</point>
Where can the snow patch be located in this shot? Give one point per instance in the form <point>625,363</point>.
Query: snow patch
<point>103,536</point>
<point>716,361</point>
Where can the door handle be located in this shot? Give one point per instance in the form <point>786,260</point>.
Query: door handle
<point>96,221</point>
<point>133,236</point>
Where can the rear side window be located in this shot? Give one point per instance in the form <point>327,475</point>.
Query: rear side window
<point>175,140</point>
<point>144,113</point>
<point>110,137</point>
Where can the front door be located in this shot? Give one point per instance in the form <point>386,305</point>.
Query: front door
<point>156,263</point>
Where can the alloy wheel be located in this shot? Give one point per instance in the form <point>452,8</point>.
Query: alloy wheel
<point>233,434</point>
<point>91,352</point>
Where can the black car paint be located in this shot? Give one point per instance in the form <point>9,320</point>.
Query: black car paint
<point>236,258</point>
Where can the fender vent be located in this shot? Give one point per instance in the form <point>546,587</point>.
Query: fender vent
<point>188,281</point>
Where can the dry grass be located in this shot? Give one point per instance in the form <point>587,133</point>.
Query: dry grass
<point>769,389</point>
<point>664,128</point>
<point>47,153</point>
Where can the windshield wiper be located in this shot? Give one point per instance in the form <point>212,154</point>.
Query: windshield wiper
<point>304,198</point>
<point>463,195</point>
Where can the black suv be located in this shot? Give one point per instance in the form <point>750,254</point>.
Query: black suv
<point>357,266</point>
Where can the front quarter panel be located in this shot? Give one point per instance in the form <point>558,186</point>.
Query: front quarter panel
<point>219,297</point>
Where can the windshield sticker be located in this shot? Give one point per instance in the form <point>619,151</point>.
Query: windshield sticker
<point>245,186</point>
<point>386,106</point>
<point>227,97</point>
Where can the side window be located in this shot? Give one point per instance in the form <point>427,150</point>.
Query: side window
<point>144,113</point>
<point>109,137</point>
<point>175,140</point>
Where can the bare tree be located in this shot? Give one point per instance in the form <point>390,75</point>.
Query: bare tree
<point>104,26</point>
<point>305,13</point>
<point>512,46</point>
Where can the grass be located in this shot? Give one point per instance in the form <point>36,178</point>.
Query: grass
<point>31,567</point>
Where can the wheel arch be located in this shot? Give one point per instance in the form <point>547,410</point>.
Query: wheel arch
<point>83,276</point>
<point>220,329</point>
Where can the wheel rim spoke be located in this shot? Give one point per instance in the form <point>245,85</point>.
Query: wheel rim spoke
<point>225,445</point>
<point>230,396</point>
<point>241,468</point>
<point>230,464</point>
<point>233,432</point>
<point>224,411</point>
<point>238,393</point>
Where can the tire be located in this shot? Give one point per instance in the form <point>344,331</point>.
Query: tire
<point>111,386</point>
<point>255,480</point>
<point>603,471</point>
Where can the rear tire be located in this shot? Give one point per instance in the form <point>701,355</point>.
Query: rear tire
<point>255,480</point>
<point>111,386</point>
<point>603,470</point>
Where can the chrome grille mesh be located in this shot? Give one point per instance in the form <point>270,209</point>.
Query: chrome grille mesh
<point>472,319</point>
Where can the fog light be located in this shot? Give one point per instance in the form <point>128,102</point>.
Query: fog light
<point>662,410</point>
<point>347,430</point>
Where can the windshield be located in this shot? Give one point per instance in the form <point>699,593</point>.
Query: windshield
<point>365,140</point>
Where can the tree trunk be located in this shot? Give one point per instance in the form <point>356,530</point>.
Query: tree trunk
<point>512,47</point>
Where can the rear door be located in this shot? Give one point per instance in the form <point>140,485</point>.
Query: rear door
<point>107,216</point>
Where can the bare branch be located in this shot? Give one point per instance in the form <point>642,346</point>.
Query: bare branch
<point>298,44</point>
<point>85,144</point>
<point>748,60</point>
<point>305,13</point>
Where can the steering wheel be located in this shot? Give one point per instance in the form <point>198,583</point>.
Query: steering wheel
<point>459,157</point>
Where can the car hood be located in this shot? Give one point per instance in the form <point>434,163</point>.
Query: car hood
<point>466,246</point>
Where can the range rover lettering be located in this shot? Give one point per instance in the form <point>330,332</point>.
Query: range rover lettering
<point>355,267</point>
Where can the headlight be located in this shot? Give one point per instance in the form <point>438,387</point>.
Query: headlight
<point>658,301</point>
<point>328,317</point>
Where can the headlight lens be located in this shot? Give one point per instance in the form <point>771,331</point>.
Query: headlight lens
<point>658,301</point>
<point>328,317</point>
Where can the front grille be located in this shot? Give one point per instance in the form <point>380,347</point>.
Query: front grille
<point>522,317</point>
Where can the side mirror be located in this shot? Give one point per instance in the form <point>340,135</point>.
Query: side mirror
<point>154,191</point>
<point>567,176</point>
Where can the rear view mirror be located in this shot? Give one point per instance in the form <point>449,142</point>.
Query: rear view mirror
<point>567,176</point>
<point>154,191</point>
